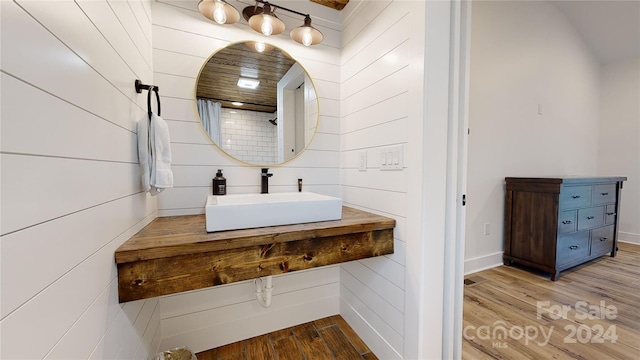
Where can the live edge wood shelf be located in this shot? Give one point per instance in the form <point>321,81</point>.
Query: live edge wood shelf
<point>553,224</point>
<point>176,254</point>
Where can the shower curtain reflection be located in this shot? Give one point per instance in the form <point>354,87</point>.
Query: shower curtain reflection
<point>210,115</point>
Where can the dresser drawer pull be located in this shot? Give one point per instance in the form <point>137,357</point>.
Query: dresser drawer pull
<point>576,197</point>
<point>604,194</point>
<point>573,247</point>
<point>611,213</point>
<point>590,217</point>
<point>604,239</point>
<point>567,222</point>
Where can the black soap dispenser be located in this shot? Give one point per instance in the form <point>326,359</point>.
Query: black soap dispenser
<point>219,184</point>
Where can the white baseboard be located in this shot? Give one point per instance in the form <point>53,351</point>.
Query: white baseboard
<point>245,328</point>
<point>482,263</point>
<point>629,237</point>
<point>376,343</point>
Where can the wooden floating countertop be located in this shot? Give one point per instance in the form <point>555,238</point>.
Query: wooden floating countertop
<point>175,254</point>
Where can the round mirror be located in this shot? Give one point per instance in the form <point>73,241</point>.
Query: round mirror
<point>257,103</point>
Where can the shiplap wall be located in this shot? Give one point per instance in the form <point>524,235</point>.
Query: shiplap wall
<point>375,113</point>
<point>70,180</point>
<point>182,41</point>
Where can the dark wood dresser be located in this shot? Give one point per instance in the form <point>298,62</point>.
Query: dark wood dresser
<point>553,224</point>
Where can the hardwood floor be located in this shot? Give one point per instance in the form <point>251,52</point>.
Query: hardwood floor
<point>591,312</point>
<point>329,338</point>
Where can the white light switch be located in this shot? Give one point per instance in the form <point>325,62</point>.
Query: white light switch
<point>362,159</point>
<point>393,158</point>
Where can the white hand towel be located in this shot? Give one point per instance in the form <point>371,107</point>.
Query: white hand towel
<point>161,174</point>
<point>144,152</point>
<point>154,154</point>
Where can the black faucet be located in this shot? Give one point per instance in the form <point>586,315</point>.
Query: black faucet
<point>264,188</point>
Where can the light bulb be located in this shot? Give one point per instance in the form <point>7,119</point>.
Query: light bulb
<point>307,39</point>
<point>267,27</point>
<point>219,15</point>
<point>260,47</point>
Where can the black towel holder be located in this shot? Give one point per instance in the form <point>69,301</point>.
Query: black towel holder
<point>140,86</point>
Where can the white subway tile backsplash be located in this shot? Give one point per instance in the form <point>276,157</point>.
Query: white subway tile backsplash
<point>253,134</point>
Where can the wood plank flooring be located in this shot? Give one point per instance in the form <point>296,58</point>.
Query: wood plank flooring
<point>509,313</point>
<point>591,312</point>
<point>324,339</point>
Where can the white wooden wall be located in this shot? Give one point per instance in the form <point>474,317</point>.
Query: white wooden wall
<point>619,138</point>
<point>563,78</point>
<point>70,180</point>
<point>182,42</point>
<point>375,113</point>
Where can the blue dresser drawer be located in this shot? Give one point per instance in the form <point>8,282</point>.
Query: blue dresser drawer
<point>567,221</point>
<point>573,197</point>
<point>602,240</point>
<point>572,247</point>
<point>590,217</point>
<point>603,194</point>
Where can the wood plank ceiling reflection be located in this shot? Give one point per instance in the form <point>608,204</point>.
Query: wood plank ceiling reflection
<point>334,4</point>
<point>219,77</point>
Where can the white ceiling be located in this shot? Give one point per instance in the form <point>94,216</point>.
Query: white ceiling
<point>611,28</point>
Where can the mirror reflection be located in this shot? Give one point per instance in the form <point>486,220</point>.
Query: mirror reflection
<point>257,103</point>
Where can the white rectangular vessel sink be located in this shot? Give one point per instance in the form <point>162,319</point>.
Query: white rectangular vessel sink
<point>244,211</point>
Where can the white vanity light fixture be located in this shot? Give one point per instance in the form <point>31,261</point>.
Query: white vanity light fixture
<point>246,83</point>
<point>237,103</point>
<point>219,11</point>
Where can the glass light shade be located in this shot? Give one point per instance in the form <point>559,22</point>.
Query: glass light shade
<point>306,34</point>
<point>219,11</point>
<point>266,23</point>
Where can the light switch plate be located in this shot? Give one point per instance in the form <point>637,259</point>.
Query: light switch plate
<point>362,160</point>
<point>392,157</point>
